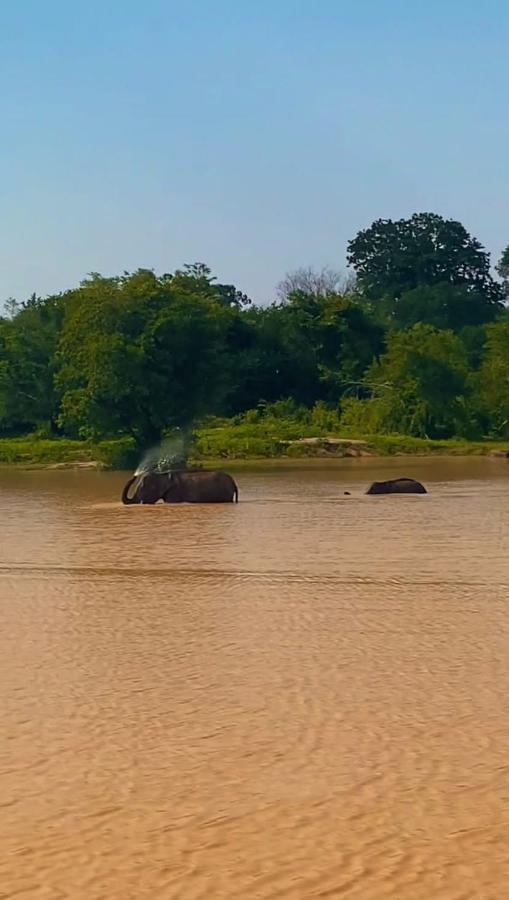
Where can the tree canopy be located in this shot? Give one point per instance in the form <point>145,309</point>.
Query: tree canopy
<point>420,385</point>
<point>416,342</point>
<point>394,258</point>
<point>139,354</point>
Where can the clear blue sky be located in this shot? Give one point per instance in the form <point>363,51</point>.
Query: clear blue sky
<point>254,136</point>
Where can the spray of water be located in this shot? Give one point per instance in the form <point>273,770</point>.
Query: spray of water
<point>171,453</point>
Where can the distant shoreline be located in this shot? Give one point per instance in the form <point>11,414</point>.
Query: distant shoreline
<point>120,454</point>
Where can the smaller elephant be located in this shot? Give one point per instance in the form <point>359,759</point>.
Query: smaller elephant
<point>181,486</point>
<point>397,486</point>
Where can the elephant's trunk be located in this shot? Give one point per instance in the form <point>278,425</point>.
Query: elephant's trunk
<point>125,493</point>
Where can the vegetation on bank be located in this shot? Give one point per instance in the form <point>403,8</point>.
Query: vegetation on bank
<point>416,343</point>
<point>231,441</point>
<point>250,437</point>
<point>32,450</point>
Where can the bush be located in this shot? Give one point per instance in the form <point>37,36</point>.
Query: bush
<point>120,453</point>
<point>324,419</point>
<point>361,416</point>
<point>31,450</point>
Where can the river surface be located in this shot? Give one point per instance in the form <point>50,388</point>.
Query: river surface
<point>302,696</point>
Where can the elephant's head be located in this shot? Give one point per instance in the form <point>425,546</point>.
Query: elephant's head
<point>149,489</point>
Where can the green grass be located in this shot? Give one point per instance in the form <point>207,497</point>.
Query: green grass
<point>400,444</point>
<point>255,436</point>
<point>243,441</point>
<point>268,437</point>
<point>237,440</point>
<point>35,451</point>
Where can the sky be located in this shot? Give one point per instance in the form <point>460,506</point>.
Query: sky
<point>256,137</point>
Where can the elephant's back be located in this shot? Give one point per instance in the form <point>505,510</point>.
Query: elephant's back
<point>397,486</point>
<point>209,486</point>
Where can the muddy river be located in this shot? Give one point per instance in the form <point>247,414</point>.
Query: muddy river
<point>305,695</point>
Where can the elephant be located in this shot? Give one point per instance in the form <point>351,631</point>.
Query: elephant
<point>397,486</point>
<point>182,486</point>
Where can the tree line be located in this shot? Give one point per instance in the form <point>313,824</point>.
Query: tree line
<point>415,341</point>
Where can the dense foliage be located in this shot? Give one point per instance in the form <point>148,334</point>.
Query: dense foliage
<point>416,342</point>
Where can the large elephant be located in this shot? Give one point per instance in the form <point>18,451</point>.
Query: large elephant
<point>182,486</point>
<point>397,486</point>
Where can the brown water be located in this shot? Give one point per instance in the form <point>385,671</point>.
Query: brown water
<point>305,695</point>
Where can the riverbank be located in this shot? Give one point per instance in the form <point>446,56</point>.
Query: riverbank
<point>236,445</point>
<point>33,452</point>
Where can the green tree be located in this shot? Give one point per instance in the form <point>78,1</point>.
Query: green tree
<point>473,338</point>
<point>198,277</point>
<point>28,338</point>
<point>502,268</point>
<point>270,359</point>
<point>491,382</point>
<point>141,354</point>
<point>419,386</point>
<point>311,347</point>
<point>343,337</point>
<point>393,258</point>
<point>445,306</point>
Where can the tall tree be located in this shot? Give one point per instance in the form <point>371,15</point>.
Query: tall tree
<point>445,306</point>
<point>392,258</point>
<point>502,268</point>
<point>419,385</point>
<point>141,354</point>
<point>28,339</point>
<point>492,380</point>
<point>270,358</point>
<point>343,337</point>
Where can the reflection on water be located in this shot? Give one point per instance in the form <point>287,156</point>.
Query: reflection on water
<point>304,695</point>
